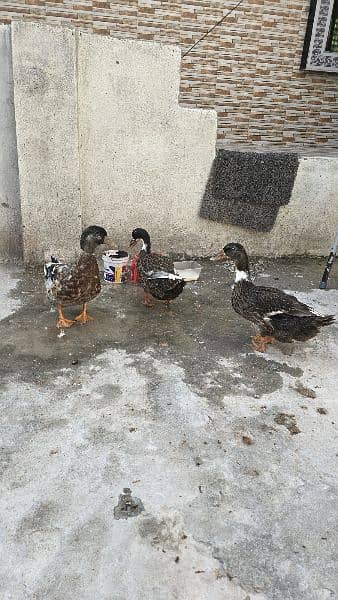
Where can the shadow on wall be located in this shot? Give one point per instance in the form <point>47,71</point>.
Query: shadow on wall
<point>248,188</point>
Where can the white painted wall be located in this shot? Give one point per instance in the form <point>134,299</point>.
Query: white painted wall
<point>102,139</point>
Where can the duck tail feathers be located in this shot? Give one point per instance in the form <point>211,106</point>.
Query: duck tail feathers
<point>308,327</point>
<point>288,327</point>
<point>50,268</point>
<point>323,321</point>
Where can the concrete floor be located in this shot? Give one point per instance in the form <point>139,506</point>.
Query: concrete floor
<point>232,469</point>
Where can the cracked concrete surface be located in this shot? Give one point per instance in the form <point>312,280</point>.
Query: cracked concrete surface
<point>177,407</point>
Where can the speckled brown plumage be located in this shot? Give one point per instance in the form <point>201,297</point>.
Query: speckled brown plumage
<point>278,315</point>
<point>77,284</point>
<point>295,321</point>
<point>149,266</point>
<point>161,289</point>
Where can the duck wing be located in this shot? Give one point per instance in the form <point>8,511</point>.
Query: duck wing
<point>270,301</point>
<point>53,273</point>
<point>157,275</point>
<point>281,315</point>
<point>73,284</point>
<point>151,267</point>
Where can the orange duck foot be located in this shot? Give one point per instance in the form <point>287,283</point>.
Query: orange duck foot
<point>147,300</point>
<point>62,322</point>
<point>84,317</point>
<point>260,342</point>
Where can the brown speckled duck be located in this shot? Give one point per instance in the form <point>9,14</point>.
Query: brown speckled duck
<point>157,274</point>
<point>278,315</point>
<point>78,283</point>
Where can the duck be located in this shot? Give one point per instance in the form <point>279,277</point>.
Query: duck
<point>279,316</point>
<point>156,273</point>
<point>77,283</point>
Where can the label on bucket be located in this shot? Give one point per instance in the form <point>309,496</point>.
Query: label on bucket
<point>115,265</point>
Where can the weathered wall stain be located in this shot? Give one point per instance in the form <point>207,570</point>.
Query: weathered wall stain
<point>34,80</point>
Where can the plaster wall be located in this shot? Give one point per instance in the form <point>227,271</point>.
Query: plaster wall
<point>102,139</point>
<point>305,225</point>
<point>10,214</point>
<point>144,160</point>
<point>44,68</point>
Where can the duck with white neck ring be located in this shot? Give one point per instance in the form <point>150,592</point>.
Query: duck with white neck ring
<point>278,315</point>
<point>156,273</point>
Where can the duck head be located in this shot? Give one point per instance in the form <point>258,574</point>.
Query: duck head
<point>237,254</point>
<point>92,237</point>
<point>141,234</point>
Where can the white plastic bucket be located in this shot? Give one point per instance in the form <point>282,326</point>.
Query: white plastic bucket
<point>115,264</point>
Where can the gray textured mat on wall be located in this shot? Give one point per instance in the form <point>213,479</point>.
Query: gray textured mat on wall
<point>248,188</point>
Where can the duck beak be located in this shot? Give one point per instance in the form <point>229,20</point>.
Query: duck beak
<point>219,256</point>
<point>132,242</point>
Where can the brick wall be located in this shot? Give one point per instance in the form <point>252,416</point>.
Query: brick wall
<point>247,69</point>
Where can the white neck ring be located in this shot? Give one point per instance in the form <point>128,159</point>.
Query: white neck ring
<point>241,275</point>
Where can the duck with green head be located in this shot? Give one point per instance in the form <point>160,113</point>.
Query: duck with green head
<point>78,283</point>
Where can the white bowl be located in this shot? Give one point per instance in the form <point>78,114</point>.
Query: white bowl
<point>189,270</point>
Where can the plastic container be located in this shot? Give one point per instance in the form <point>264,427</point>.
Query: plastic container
<point>115,264</point>
<point>188,269</point>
